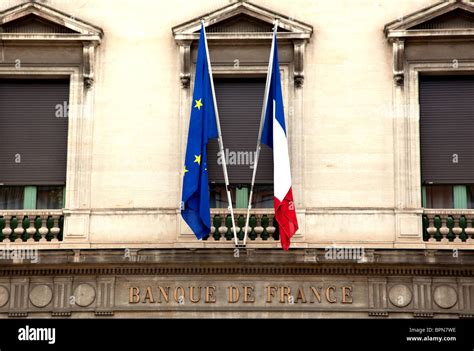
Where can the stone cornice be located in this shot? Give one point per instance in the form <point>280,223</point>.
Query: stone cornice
<point>83,30</point>
<point>293,31</point>
<point>186,269</point>
<point>296,29</point>
<point>402,27</point>
<point>83,33</point>
<point>222,262</point>
<point>404,30</point>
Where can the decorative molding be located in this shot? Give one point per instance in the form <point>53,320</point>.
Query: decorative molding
<point>88,51</point>
<point>79,158</point>
<point>104,313</point>
<point>466,316</point>
<point>423,314</point>
<point>227,32</point>
<point>378,314</point>
<point>185,63</point>
<point>299,49</point>
<point>18,314</point>
<point>377,291</point>
<point>291,30</point>
<point>229,269</point>
<point>76,30</point>
<point>406,116</point>
<point>61,314</point>
<point>403,27</point>
<point>407,28</point>
<point>399,62</point>
<point>82,29</point>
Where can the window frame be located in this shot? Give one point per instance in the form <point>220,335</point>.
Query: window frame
<point>295,35</point>
<point>412,147</point>
<point>292,102</point>
<point>79,153</point>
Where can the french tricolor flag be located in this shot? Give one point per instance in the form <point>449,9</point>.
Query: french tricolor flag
<point>274,136</point>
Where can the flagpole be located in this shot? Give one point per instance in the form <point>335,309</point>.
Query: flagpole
<point>262,119</point>
<point>221,144</point>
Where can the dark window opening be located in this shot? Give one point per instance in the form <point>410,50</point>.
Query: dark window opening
<point>33,131</point>
<point>439,196</point>
<point>11,197</point>
<point>50,197</point>
<point>240,102</point>
<point>446,148</point>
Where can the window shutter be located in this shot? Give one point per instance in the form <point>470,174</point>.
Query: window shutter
<point>240,105</point>
<point>33,138</point>
<point>447,129</point>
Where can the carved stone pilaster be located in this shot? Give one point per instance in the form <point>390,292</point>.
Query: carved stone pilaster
<point>62,301</point>
<point>105,296</point>
<point>377,293</point>
<point>466,291</point>
<point>185,63</point>
<point>299,48</point>
<point>88,54</point>
<point>422,294</point>
<point>19,297</point>
<point>399,62</point>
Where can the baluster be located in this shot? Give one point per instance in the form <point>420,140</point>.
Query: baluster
<point>55,230</point>
<point>19,230</point>
<point>458,230</point>
<point>30,230</point>
<point>271,228</point>
<point>431,228</point>
<point>222,229</point>
<point>259,229</point>
<point>444,230</point>
<point>43,230</point>
<point>7,230</point>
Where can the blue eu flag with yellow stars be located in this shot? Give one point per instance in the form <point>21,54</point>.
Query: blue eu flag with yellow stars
<point>195,208</point>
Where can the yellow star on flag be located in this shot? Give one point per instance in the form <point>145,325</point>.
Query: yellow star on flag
<point>198,104</point>
<point>185,170</point>
<point>197,159</point>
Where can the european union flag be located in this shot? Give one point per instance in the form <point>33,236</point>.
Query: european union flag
<point>202,127</point>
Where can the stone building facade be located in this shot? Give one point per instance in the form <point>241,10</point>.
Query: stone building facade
<point>381,233</point>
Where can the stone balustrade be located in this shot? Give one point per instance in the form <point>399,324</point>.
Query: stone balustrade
<point>448,225</point>
<point>262,225</point>
<point>31,226</point>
